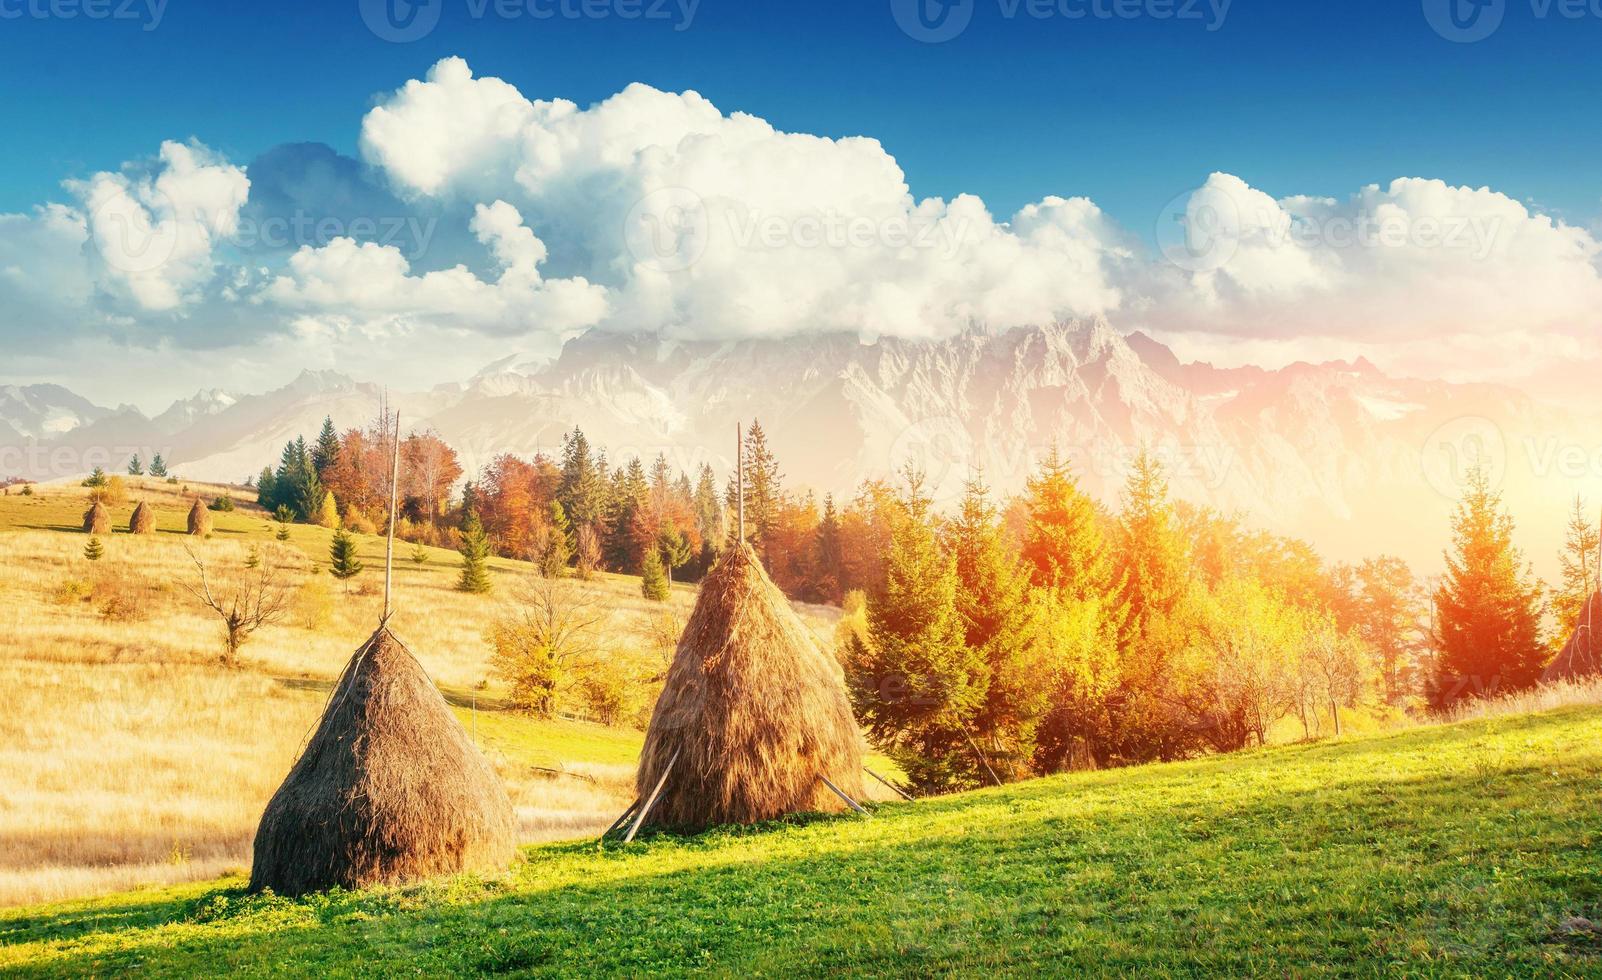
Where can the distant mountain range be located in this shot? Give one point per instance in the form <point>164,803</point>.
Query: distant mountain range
<point>1339,453</point>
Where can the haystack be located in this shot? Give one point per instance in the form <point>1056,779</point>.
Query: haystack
<point>753,716</point>
<point>1582,655</point>
<point>199,519</point>
<point>389,789</point>
<point>96,520</point>
<point>143,520</point>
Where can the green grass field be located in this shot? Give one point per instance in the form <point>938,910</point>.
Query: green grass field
<point>1453,851</point>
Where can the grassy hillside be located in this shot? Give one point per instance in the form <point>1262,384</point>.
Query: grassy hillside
<point>129,755</point>
<point>1458,850</point>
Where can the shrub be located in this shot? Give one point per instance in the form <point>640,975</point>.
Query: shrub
<point>608,692</point>
<point>27,489</point>
<point>111,491</point>
<point>223,504</point>
<point>70,591</point>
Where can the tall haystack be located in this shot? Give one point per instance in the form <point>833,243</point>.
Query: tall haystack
<point>753,717</point>
<point>143,520</point>
<point>1582,655</point>
<point>389,789</point>
<point>199,519</point>
<point>97,520</point>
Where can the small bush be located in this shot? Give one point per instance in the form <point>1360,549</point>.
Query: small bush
<point>70,591</point>
<point>111,491</point>
<point>223,504</point>
<point>27,489</point>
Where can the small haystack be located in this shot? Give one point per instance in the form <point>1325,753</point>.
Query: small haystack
<point>1582,655</point>
<point>199,519</point>
<point>753,717</point>
<point>96,520</point>
<point>143,520</point>
<point>389,789</point>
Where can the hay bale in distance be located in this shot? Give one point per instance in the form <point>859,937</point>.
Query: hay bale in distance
<point>97,520</point>
<point>756,712</point>
<point>143,520</point>
<point>1582,656</point>
<point>199,519</point>
<point>389,789</point>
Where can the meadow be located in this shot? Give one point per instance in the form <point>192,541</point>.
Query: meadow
<point>1469,849</point>
<point>130,755</point>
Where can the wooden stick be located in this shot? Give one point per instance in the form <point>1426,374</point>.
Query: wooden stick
<point>985,762</point>
<point>621,819</point>
<point>853,804</point>
<point>389,545</point>
<point>645,810</point>
<point>898,790</point>
<point>739,480</point>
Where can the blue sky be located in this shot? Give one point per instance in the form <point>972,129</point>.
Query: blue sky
<point>1294,97</point>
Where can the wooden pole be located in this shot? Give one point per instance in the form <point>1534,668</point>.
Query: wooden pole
<point>621,818</point>
<point>645,810</point>
<point>982,760</point>
<point>853,804</point>
<point>739,479</point>
<point>394,492</point>
<point>896,789</point>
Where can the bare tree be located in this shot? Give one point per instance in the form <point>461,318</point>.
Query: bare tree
<point>245,601</point>
<point>546,642</point>
<point>589,551</point>
<point>662,630</point>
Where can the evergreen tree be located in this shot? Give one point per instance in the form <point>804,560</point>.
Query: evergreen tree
<point>1152,554</point>
<point>624,547</point>
<point>913,680</point>
<point>708,509</point>
<point>674,546</point>
<point>342,561</point>
<point>558,543</point>
<point>94,549</point>
<point>328,511</point>
<point>326,450</point>
<point>475,551</point>
<point>582,488</point>
<point>1577,564</point>
<point>653,580</point>
<point>1488,606</point>
<point>1390,605</point>
<point>135,468</point>
<point>253,557</point>
<point>96,478</point>
<point>158,466</point>
<point>829,563</point>
<point>992,600</point>
<point>419,553</point>
<point>266,488</point>
<point>1064,548</point>
<point>763,491</point>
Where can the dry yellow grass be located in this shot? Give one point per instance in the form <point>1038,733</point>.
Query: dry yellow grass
<point>129,755</point>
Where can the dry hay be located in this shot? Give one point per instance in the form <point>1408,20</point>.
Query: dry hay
<point>143,520</point>
<point>388,790</point>
<point>96,520</point>
<point>199,519</point>
<point>755,712</point>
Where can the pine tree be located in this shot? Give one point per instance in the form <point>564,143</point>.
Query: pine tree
<point>763,491</point>
<point>653,580</point>
<point>1488,605</point>
<point>1064,548</point>
<point>558,543</point>
<point>674,546</point>
<point>1577,563</point>
<point>94,549</point>
<point>266,488</point>
<point>158,466</point>
<point>582,488</point>
<point>1152,554</point>
<point>708,509</point>
<point>135,468</point>
<point>326,450</point>
<point>97,478</point>
<point>992,599</point>
<point>829,562</point>
<point>419,553</point>
<point>475,552</point>
<point>625,549</point>
<point>342,561</point>
<point>328,512</point>
<point>253,557</point>
<point>914,682</point>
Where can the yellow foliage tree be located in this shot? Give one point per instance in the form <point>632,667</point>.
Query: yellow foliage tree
<point>328,513</point>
